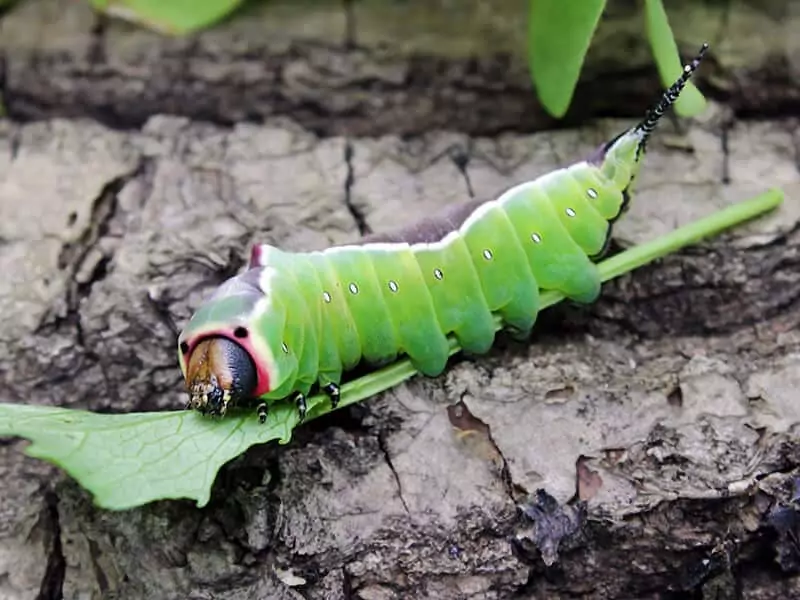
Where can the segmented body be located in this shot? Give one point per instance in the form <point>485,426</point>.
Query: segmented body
<point>406,292</point>
<point>295,320</point>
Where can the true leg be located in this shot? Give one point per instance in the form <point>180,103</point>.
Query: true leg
<point>262,411</point>
<point>300,401</point>
<point>333,392</point>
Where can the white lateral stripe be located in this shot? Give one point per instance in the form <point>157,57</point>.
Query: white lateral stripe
<point>261,307</point>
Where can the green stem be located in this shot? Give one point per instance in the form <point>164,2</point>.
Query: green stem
<point>613,267</point>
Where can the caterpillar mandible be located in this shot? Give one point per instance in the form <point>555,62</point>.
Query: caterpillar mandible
<point>296,321</point>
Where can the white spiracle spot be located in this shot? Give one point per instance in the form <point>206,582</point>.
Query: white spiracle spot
<point>592,193</point>
<point>570,212</point>
<point>353,288</point>
<point>487,254</point>
<point>537,239</point>
<point>438,274</point>
<point>326,296</point>
<point>393,286</point>
<point>285,348</point>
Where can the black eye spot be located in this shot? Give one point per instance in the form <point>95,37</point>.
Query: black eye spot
<point>240,332</point>
<point>184,347</point>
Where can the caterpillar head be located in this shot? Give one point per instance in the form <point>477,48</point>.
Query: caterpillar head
<point>223,359</point>
<point>620,158</point>
<point>219,373</point>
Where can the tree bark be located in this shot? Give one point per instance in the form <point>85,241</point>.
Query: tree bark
<point>641,447</point>
<point>358,67</point>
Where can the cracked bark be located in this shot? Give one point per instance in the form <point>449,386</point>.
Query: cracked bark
<point>53,580</point>
<point>355,212</point>
<point>84,260</point>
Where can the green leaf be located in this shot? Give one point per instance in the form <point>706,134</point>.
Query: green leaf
<point>175,17</point>
<point>665,50</point>
<point>559,33</point>
<point>127,460</point>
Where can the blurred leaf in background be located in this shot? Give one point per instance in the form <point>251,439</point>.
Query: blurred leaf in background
<point>559,34</point>
<point>691,102</point>
<point>173,17</point>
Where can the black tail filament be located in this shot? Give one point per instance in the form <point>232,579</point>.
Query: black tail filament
<point>668,98</point>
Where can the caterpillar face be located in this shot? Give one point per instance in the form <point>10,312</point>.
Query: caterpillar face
<point>223,358</point>
<point>219,373</point>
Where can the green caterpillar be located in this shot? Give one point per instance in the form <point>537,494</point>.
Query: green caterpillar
<point>295,321</point>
